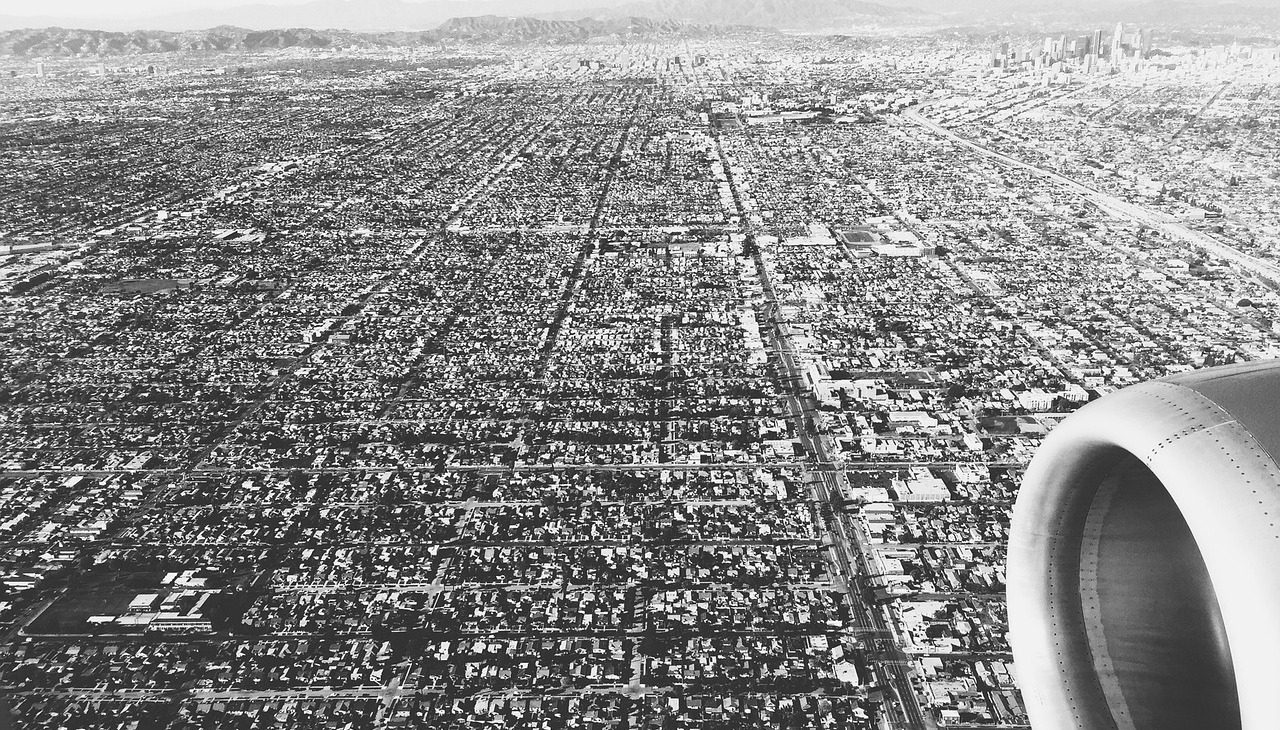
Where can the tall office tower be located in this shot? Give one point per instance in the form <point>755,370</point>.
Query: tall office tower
<point>1062,48</point>
<point>40,70</point>
<point>1096,47</point>
<point>1145,42</point>
<point>1117,40</point>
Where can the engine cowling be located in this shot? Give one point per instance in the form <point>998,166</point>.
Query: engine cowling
<point>1144,559</point>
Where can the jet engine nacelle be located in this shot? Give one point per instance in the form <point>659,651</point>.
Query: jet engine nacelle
<point>1144,559</point>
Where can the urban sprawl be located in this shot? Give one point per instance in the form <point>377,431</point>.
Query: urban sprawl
<point>634,385</point>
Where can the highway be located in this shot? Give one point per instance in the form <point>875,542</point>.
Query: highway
<point>852,550</point>
<point>1113,205</point>
<point>853,555</point>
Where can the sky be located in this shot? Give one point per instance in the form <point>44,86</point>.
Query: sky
<point>119,15</point>
<point>124,7</point>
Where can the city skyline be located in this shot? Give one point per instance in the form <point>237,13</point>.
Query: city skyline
<point>638,374</point>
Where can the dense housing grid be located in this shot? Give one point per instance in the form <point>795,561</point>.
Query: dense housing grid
<point>665,385</point>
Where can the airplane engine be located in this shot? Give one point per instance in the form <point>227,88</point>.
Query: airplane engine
<point>1144,559</point>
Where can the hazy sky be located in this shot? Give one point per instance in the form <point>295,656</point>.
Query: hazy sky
<point>105,8</point>
<point>124,7</point>
<point>100,8</point>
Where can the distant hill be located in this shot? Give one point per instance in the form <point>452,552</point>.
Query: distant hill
<point>834,16</point>
<point>70,42</point>
<point>1171,12</point>
<point>782,14</point>
<point>1162,13</point>
<point>495,28</point>
<point>358,15</point>
<point>492,29</point>
<point>398,15</point>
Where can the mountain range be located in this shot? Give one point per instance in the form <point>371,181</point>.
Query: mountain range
<point>51,42</point>
<point>835,15</point>
<point>780,14</point>
<point>374,23</point>
<point>393,15</point>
